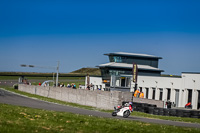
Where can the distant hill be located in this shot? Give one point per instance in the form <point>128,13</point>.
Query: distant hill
<point>85,71</point>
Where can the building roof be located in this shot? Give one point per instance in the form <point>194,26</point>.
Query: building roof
<point>133,55</point>
<point>129,66</point>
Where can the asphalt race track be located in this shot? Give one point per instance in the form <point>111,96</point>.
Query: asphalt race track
<point>15,99</point>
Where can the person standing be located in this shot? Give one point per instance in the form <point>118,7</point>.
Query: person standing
<point>141,95</point>
<point>137,93</point>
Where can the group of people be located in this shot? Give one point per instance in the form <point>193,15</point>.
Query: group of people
<point>138,94</point>
<point>90,87</point>
<point>72,85</point>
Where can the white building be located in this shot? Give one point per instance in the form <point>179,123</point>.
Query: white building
<point>117,75</point>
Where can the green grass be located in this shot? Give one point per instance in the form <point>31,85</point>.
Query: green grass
<point>172,118</point>
<point>40,78</point>
<point>36,80</point>
<point>138,114</point>
<point>9,77</point>
<point>15,119</point>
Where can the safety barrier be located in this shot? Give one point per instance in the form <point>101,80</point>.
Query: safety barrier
<point>153,109</point>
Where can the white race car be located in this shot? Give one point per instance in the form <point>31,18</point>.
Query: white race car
<point>124,111</point>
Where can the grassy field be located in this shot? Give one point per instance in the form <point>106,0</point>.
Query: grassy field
<point>40,78</point>
<point>82,72</point>
<point>140,114</point>
<point>15,119</point>
<point>36,80</point>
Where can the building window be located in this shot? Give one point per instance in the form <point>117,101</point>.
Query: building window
<point>118,81</point>
<point>147,92</point>
<point>176,97</point>
<point>117,59</point>
<point>161,94</point>
<point>198,105</point>
<point>189,95</point>
<point>101,87</point>
<point>116,72</point>
<point>168,94</point>
<point>128,81</point>
<point>153,93</point>
<point>123,81</point>
<point>140,89</point>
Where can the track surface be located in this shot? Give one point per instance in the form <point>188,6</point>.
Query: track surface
<point>15,99</point>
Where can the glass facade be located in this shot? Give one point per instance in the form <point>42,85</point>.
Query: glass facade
<point>117,59</point>
<point>116,72</point>
<point>130,60</point>
<point>118,81</point>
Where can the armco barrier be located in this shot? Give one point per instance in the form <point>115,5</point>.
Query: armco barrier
<point>97,98</point>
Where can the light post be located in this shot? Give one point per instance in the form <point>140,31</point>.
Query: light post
<point>57,74</point>
<point>54,68</point>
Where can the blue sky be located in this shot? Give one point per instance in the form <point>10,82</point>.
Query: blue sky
<point>77,33</point>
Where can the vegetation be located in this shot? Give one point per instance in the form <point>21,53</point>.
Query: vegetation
<point>40,78</point>
<point>21,119</point>
<point>172,118</point>
<point>34,74</point>
<point>90,71</point>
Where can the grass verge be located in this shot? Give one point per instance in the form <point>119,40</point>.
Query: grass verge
<point>40,78</point>
<point>138,114</point>
<point>22,119</point>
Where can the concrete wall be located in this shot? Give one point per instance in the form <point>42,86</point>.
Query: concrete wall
<point>97,98</point>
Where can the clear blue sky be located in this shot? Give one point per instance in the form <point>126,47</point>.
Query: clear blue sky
<point>77,33</point>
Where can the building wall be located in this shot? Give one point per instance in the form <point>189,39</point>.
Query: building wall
<point>160,84</point>
<point>179,88</point>
<point>191,81</point>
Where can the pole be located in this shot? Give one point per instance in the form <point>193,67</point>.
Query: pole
<point>132,96</point>
<point>135,76</point>
<point>57,75</point>
<point>135,86</point>
<point>53,78</point>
